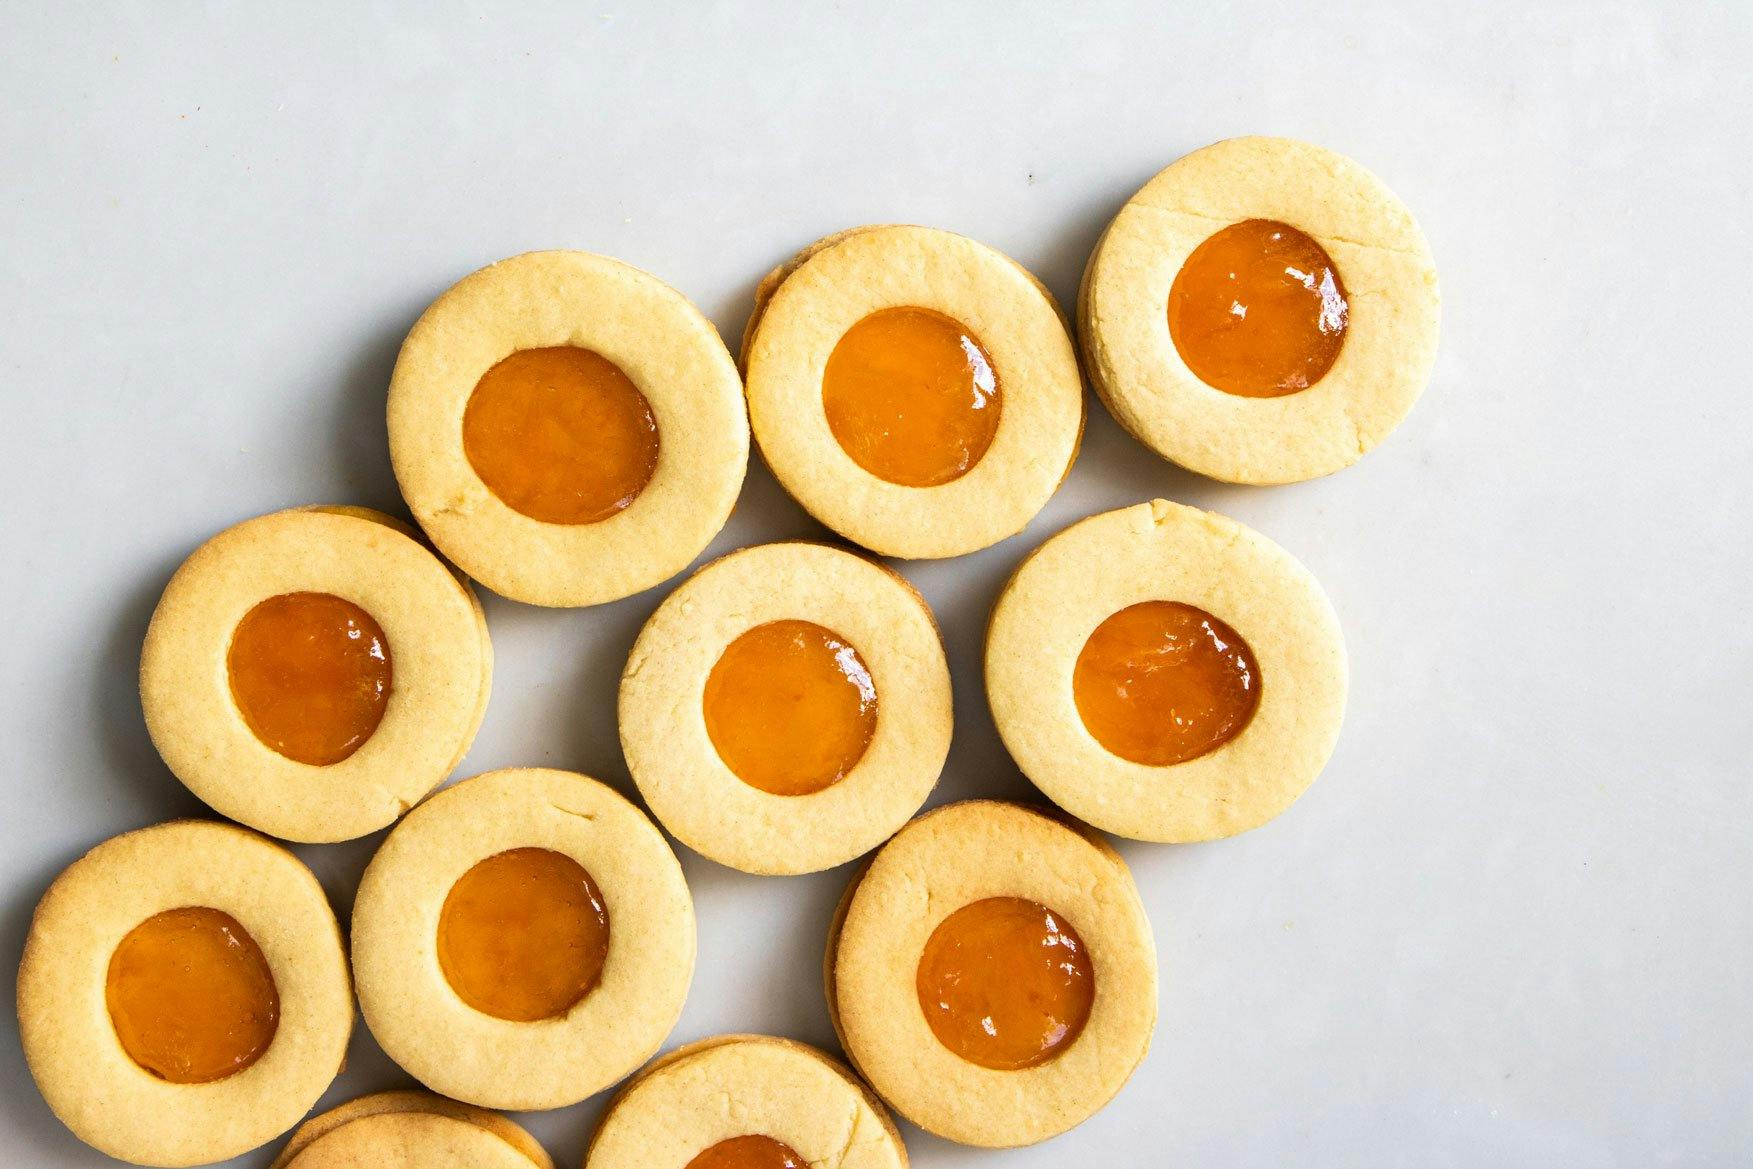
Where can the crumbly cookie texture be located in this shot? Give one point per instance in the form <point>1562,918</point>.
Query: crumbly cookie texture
<point>739,1085</point>
<point>661,342</point>
<point>441,657</point>
<point>1383,261</point>
<point>108,1100</point>
<point>420,1021</point>
<point>952,857</point>
<point>805,307</point>
<point>1165,551</point>
<point>672,757</point>
<point>386,1136</point>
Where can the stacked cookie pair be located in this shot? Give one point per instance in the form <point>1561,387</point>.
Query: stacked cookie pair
<point>567,431</point>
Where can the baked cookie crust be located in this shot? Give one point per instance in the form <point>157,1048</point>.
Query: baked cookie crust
<point>1383,261</point>
<point>88,1079</point>
<point>739,1085</point>
<point>385,1136</point>
<point>952,857</point>
<point>1165,551</point>
<point>661,342</point>
<point>439,650</point>
<point>418,1018</point>
<point>680,773</point>
<point>808,305</point>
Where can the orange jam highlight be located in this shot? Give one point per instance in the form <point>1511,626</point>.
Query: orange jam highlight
<point>1005,983</point>
<point>911,396</point>
<point>1160,682</point>
<point>523,935</point>
<point>791,707</point>
<point>191,997</point>
<point>561,435</point>
<point>750,1152</point>
<point>310,674</point>
<point>1258,310</point>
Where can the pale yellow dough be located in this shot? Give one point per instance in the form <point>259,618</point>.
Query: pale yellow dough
<point>440,656</point>
<point>841,280</point>
<point>460,1052</point>
<point>944,860</point>
<point>384,1134</point>
<point>743,1085</point>
<point>1161,551</point>
<point>1383,262</point>
<point>108,1100</point>
<point>679,771</point>
<point>660,341</point>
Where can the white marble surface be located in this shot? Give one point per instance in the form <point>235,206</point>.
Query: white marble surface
<point>1511,925</point>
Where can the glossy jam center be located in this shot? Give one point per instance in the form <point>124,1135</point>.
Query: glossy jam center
<point>310,674</point>
<point>750,1152</point>
<point>1161,682</point>
<point>791,707</point>
<point>191,997</point>
<point>1258,310</point>
<point>561,435</point>
<point>523,935</point>
<point>1005,983</point>
<point>911,396</point>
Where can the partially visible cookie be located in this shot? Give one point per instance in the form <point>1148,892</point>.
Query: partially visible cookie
<point>738,1100</point>
<point>385,1135</point>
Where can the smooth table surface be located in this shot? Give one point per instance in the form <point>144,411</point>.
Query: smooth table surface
<point>1511,924</point>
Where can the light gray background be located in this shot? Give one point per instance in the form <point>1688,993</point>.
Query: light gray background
<point>1510,925</point>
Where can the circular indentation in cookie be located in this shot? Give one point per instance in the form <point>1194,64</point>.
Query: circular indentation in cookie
<point>523,934</point>
<point>561,434</point>
<point>912,396</point>
<point>1258,310</point>
<point>790,707</point>
<point>311,674</point>
<point>1160,682</point>
<point>749,1152</point>
<point>191,997</point>
<point>1005,983</point>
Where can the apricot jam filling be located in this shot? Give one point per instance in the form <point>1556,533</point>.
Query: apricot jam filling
<point>523,935</point>
<point>561,434</point>
<point>191,997</point>
<point>1005,983</point>
<point>310,674</point>
<point>790,707</point>
<point>750,1152</point>
<point>911,396</point>
<point>1160,682</point>
<point>1258,310</point>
